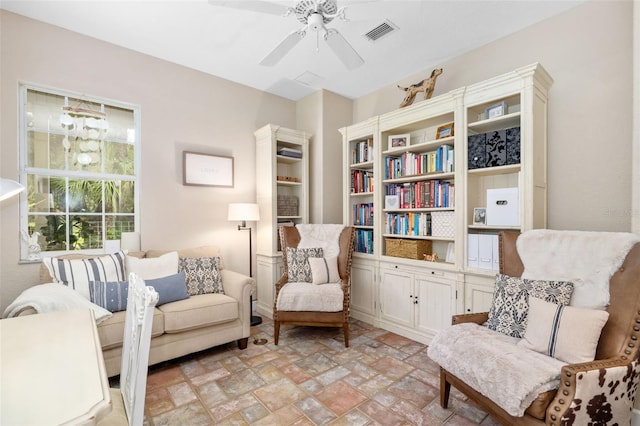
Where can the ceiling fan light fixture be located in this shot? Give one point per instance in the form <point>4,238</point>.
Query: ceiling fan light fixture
<point>315,22</point>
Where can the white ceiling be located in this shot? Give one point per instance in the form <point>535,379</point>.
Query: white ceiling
<point>230,43</point>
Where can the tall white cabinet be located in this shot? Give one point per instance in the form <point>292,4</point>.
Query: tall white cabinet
<point>441,173</point>
<point>282,192</point>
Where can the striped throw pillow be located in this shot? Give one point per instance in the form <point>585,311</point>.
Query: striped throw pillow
<point>76,273</point>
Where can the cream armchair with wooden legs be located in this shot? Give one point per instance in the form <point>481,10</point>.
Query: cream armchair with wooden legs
<point>314,288</point>
<point>128,401</point>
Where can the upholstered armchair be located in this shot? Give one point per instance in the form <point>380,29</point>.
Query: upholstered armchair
<point>601,391</point>
<point>317,296</point>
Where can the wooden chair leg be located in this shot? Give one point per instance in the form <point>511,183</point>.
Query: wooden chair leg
<point>276,331</point>
<point>242,343</point>
<point>345,327</point>
<point>445,389</point>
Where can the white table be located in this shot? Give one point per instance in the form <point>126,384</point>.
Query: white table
<point>51,370</point>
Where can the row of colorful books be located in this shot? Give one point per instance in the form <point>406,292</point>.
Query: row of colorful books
<point>361,181</point>
<point>363,214</point>
<point>415,224</point>
<point>410,164</point>
<point>363,242</point>
<point>424,194</point>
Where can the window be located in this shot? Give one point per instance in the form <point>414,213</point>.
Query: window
<point>79,161</point>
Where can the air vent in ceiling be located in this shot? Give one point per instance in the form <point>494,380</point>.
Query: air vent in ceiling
<point>381,30</point>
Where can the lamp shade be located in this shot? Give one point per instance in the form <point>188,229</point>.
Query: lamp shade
<point>9,188</point>
<point>244,211</point>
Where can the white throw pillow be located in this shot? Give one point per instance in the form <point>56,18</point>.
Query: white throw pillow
<point>563,332</point>
<point>324,269</point>
<point>76,273</point>
<point>150,268</point>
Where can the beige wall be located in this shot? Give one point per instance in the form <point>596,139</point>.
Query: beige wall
<point>322,113</point>
<point>182,109</point>
<point>588,52</point>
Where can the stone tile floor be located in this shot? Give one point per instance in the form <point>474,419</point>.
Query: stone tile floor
<point>310,378</point>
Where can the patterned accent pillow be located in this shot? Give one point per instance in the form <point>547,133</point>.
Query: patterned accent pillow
<point>203,274</point>
<point>76,273</point>
<point>298,268</point>
<point>510,307</point>
<point>111,295</point>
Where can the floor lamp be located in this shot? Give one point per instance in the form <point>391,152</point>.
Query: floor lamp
<point>246,212</point>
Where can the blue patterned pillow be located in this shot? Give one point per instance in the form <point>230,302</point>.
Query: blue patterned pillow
<point>298,268</point>
<point>510,307</point>
<point>202,274</point>
<point>110,295</point>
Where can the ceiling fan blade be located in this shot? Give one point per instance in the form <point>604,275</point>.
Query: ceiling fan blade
<point>343,50</point>
<point>283,48</point>
<point>255,6</point>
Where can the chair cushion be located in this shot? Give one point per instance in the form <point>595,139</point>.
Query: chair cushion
<point>199,311</point>
<point>304,296</point>
<point>111,331</point>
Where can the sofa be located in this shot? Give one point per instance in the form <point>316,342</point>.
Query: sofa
<point>185,326</point>
<point>597,391</point>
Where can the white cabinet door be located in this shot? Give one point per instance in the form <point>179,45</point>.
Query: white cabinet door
<point>363,290</point>
<point>477,297</point>
<point>396,296</point>
<point>435,303</point>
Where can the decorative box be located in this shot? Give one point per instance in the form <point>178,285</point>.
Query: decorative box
<point>443,224</point>
<point>496,143</point>
<point>410,249</point>
<point>477,151</point>
<point>513,145</point>
<point>503,207</point>
<point>287,205</point>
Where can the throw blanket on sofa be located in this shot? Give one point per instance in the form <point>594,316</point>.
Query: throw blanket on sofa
<point>50,298</point>
<point>494,365</point>
<point>588,259</point>
<point>326,236</point>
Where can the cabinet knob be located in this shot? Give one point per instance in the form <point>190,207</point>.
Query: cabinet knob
<point>469,310</point>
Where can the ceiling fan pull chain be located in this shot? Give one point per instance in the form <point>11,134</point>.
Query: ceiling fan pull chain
<point>317,41</point>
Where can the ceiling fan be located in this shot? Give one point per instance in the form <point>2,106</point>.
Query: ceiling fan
<point>314,14</point>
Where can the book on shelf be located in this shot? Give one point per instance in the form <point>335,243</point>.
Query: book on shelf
<point>408,224</point>
<point>424,194</point>
<point>362,151</point>
<point>363,242</point>
<point>290,152</point>
<point>363,214</point>
<point>410,164</point>
<point>361,181</point>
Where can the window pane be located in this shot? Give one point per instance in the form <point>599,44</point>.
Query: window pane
<point>119,158</point>
<point>83,232</point>
<point>45,150</point>
<point>116,225</point>
<point>42,197</point>
<point>119,196</point>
